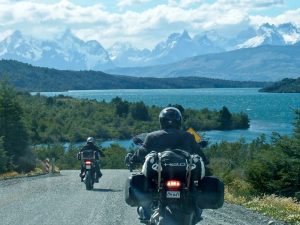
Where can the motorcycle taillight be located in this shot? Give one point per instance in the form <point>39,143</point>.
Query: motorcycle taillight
<point>173,184</point>
<point>87,162</point>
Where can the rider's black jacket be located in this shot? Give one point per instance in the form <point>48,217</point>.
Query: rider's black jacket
<point>91,146</point>
<point>169,139</point>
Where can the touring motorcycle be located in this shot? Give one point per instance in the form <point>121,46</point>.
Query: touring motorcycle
<point>88,161</point>
<point>171,186</point>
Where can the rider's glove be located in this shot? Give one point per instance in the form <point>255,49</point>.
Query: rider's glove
<point>134,159</point>
<point>127,158</point>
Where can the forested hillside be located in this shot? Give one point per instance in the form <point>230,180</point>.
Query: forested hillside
<point>26,77</point>
<point>27,120</point>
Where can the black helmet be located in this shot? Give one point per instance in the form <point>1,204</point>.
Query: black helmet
<point>90,140</point>
<point>170,117</point>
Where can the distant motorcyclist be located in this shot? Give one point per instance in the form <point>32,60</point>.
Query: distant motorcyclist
<point>90,145</point>
<point>171,136</point>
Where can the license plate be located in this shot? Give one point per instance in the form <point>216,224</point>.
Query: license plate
<point>173,194</point>
<point>88,167</point>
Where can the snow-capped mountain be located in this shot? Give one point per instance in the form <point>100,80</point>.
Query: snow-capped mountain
<point>289,32</point>
<point>67,52</point>
<point>206,45</point>
<point>218,41</point>
<point>267,34</point>
<point>70,52</point>
<point>263,63</point>
<point>20,48</point>
<point>124,54</point>
<point>177,47</point>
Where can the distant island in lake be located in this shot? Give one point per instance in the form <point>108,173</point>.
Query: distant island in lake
<point>287,85</point>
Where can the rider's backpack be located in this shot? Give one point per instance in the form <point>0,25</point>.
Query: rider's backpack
<point>210,193</point>
<point>138,190</point>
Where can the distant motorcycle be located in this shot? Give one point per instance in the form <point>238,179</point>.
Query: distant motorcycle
<point>88,161</point>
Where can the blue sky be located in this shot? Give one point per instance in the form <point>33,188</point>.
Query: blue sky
<point>140,5</point>
<point>143,23</point>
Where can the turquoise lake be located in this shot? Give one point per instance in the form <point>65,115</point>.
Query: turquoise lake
<point>268,112</point>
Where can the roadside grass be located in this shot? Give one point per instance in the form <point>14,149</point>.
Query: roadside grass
<point>279,208</point>
<point>286,209</point>
<point>14,174</point>
<point>37,171</point>
<point>9,175</point>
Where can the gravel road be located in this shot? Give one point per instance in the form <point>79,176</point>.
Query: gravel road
<point>63,200</point>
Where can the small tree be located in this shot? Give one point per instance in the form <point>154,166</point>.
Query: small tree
<point>139,111</point>
<point>297,125</point>
<point>122,107</point>
<point>3,158</point>
<point>225,118</point>
<point>15,136</point>
<point>114,157</point>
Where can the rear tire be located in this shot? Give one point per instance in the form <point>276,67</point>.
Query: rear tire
<point>175,217</point>
<point>88,180</point>
<point>130,167</point>
<point>169,218</point>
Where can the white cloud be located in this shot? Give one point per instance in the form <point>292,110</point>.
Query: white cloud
<point>187,3</point>
<point>251,3</point>
<point>144,28</point>
<point>4,34</point>
<point>263,3</point>
<point>124,3</point>
<point>63,11</point>
<point>287,17</point>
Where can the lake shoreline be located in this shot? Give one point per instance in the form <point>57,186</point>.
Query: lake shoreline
<point>268,112</point>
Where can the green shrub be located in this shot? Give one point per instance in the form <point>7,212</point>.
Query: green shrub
<point>114,157</point>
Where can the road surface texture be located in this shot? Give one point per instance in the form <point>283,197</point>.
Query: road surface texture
<point>63,200</point>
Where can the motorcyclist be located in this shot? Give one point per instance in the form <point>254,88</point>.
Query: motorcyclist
<point>171,136</point>
<point>90,145</point>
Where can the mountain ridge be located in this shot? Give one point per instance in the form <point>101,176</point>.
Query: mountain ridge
<point>263,63</point>
<point>31,78</point>
<point>71,53</point>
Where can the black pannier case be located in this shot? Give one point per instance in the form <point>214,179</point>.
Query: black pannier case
<point>210,194</point>
<point>138,190</point>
